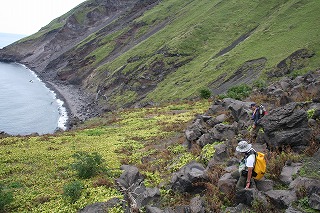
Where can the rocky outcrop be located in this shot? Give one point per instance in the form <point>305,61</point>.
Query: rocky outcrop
<point>186,178</point>
<point>132,186</point>
<point>286,126</point>
<point>101,207</point>
<point>289,89</point>
<point>293,125</point>
<point>289,171</point>
<point>248,196</point>
<point>293,62</point>
<point>207,129</point>
<point>281,199</point>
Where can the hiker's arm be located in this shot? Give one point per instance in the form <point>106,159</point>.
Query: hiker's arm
<point>249,177</point>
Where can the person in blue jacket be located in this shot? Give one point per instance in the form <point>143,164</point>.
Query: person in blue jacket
<point>255,115</point>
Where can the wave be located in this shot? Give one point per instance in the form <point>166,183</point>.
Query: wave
<point>63,119</point>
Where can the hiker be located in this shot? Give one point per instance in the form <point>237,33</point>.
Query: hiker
<point>255,115</point>
<point>246,166</point>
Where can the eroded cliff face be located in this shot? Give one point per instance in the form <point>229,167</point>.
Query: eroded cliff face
<point>63,51</point>
<point>52,49</point>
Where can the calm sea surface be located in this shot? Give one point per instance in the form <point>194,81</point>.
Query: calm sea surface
<point>26,104</point>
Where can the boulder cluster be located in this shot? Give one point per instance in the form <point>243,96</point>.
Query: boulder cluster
<point>289,124</point>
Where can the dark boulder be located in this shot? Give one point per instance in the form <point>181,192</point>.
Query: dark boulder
<point>281,199</point>
<point>223,132</point>
<point>309,185</point>
<point>132,186</point>
<point>130,176</point>
<point>101,207</point>
<point>153,209</point>
<point>185,179</point>
<point>194,131</point>
<point>219,132</point>
<point>288,172</point>
<point>239,208</point>
<point>207,138</point>
<point>264,185</point>
<point>247,196</point>
<point>314,201</point>
<point>227,184</point>
<point>286,126</point>
<point>239,109</point>
<point>197,205</point>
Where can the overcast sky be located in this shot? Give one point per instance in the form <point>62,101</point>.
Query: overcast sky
<point>28,16</point>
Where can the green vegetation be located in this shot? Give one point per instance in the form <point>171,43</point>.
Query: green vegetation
<point>303,204</point>
<point>72,191</point>
<point>37,169</point>
<point>178,47</point>
<point>260,83</point>
<point>239,92</point>
<point>205,93</point>
<point>181,61</point>
<point>207,152</point>
<point>311,113</point>
<point>5,198</point>
<point>87,165</point>
<point>199,30</point>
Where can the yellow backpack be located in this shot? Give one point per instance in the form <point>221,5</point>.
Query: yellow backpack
<point>260,166</point>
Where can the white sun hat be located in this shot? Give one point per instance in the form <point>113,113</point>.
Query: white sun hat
<point>243,146</point>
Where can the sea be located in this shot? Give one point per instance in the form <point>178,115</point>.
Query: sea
<point>27,106</point>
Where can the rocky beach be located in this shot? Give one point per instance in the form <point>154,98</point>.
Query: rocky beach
<point>77,102</point>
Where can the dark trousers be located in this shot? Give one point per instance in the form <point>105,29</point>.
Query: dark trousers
<point>242,181</point>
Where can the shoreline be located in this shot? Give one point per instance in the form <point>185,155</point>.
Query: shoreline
<point>78,104</point>
<point>75,105</point>
<point>75,101</point>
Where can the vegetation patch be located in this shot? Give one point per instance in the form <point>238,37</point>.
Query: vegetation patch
<point>37,169</point>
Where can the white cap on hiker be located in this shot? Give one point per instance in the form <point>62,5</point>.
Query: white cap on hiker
<point>243,146</point>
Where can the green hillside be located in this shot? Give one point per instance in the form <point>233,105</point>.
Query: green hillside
<point>148,51</point>
<point>153,52</point>
<point>196,31</point>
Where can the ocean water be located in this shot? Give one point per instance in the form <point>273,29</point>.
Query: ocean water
<point>26,104</point>
<point>7,38</point>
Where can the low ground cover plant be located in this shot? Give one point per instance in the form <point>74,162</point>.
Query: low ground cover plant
<point>36,169</point>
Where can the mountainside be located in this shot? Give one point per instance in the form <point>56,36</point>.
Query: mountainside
<point>128,53</point>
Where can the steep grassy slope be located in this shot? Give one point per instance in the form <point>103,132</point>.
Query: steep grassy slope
<point>187,54</point>
<point>144,51</point>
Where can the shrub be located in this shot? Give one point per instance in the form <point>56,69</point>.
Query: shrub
<point>205,93</point>
<point>311,113</point>
<point>259,83</point>
<point>87,165</point>
<point>239,92</point>
<point>277,160</point>
<point>207,152</point>
<point>5,198</point>
<point>72,191</point>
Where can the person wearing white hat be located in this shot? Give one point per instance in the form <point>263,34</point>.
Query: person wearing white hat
<point>246,165</point>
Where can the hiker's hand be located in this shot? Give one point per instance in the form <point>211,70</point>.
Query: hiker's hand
<point>248,185</point>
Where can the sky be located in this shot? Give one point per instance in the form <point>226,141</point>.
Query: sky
<point>28,16</point>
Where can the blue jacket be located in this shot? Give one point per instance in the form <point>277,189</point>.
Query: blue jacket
<point>256,115</point>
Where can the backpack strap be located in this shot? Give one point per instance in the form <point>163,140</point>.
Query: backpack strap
<point>252,151</point>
